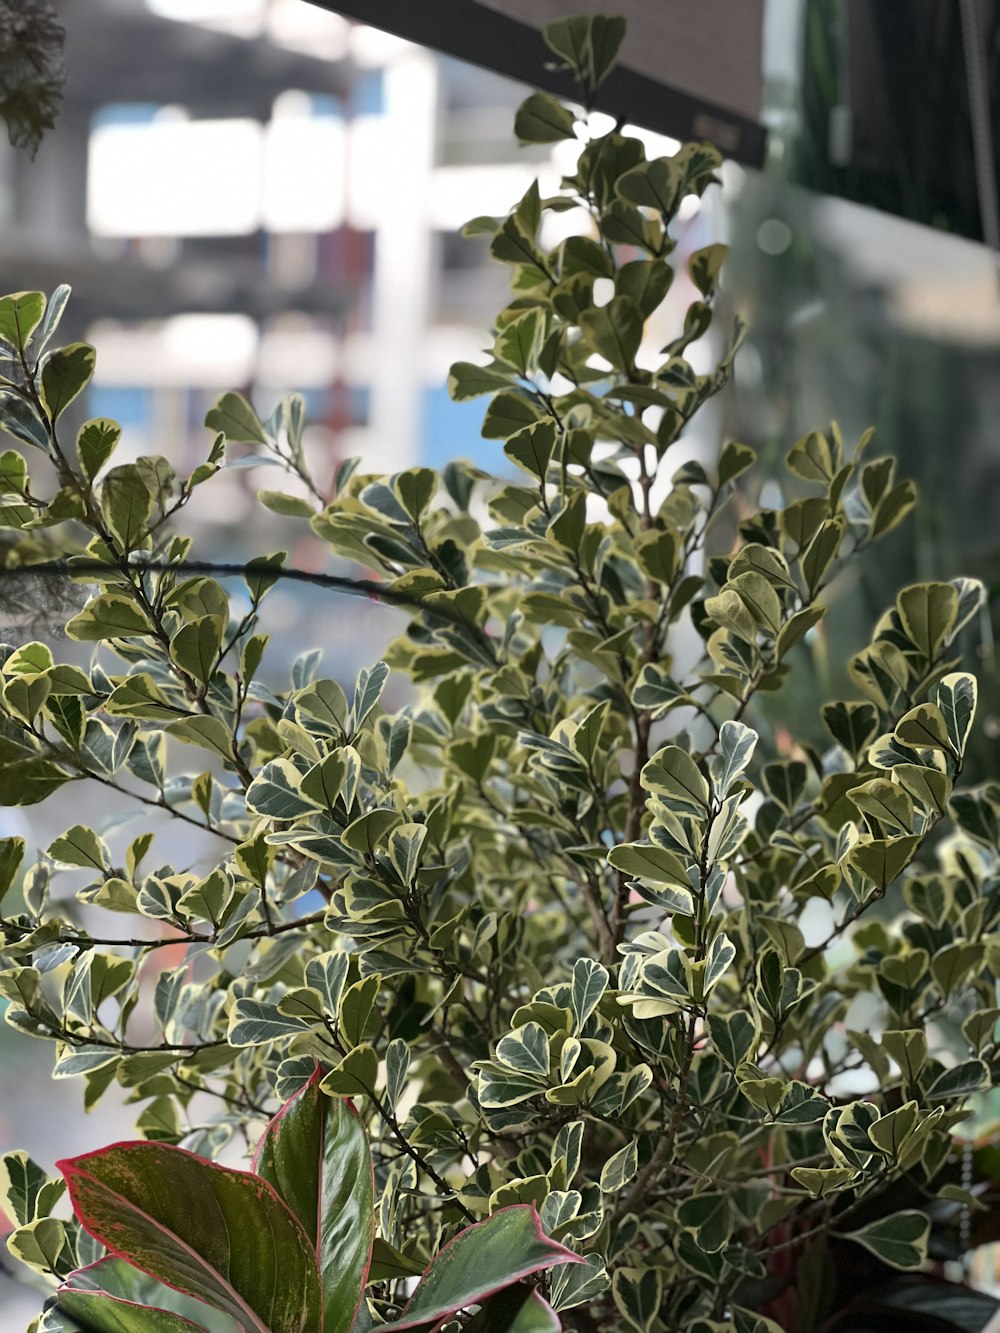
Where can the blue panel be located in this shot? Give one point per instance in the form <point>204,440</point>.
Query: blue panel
<point>124,113</point>
<point>368,93</point>
<point>326,106</point>
<point>452,430</point>
<point>129,407</point>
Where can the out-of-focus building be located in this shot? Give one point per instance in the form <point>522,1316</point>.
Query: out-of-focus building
<point>260,194</point>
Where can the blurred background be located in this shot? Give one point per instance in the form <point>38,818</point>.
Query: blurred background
<point>265,195</point>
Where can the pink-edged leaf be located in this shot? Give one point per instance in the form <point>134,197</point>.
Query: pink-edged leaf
<point>480,1262</point>
<point>315,1153</point>
<point>224,1237</point>
<point>110,1296</point>
<point>519,1309</point>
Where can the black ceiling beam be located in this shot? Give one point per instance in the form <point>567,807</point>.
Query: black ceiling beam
<point>485,37</point>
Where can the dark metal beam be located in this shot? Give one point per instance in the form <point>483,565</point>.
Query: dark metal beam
<point>484,37</point>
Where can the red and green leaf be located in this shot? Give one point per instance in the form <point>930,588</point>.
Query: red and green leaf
<point>315,1153</point>
<point>519,1309</point>
<point>224,1237</point>
<point>110,1296</point>
<point>482,1261</point>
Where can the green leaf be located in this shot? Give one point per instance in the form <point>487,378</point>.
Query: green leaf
<point>881,860</point>
<point>960,1082</point>
<point>605,39</point>
<point>526,1050</point>
<point>899,1240</point>
<point>388,1263</point>
<point>13,473</point>
<point>736,746</point>
<point>466,380</point>
<point>67,679</point>
<point>25,695</point>
<point>95,443</point>
<point>25,777</point>
<point>647,860</point>
<point>822,1181</point>
<point>20,419</point>
<point>956,698</point>
<point>734,460</point>
<point>893,508</point>
<point>646,282</point>
<point>923,727</point>
<point>928,612</point>
<point>890,1132</point>
<point>405,846</point>
<point>397,1065</point>
<point>54,309</point>
<point>65,374</point>
<point>590,981</point>
<point>578,1285</point>
<point>365,834</point>
<point>80,846</point>
<point>274,792</point>
<point>368,691</point>
<point>570,39</point>
<point>518,342</point>
<point>44,1246</point>
<point>656,184</point>
<point>673,774</point>
<point>207,732</point>
<point>908,1047</point>
<point>886,803</point>
<point>951,965</point>
<point>27,1192</point>
<point>325,702</point>
<point>233,417</point>
<point>254,1023</point>
<point>507,414</point>
<point>500,1086</point>
<point>196,646</point>
<point>20,315</point>
<point>811,458</point>
<point>355,1076</point>
<point>851,725</point>
<point>224,1237</point>
<point>796,627</point>
<point>480,1261</point>
<point>315,1153</point>
<point>415,489</point>
<point>619,1169</point>
<point>734,1036</point>
<point>108,616</point>
<point>28,660</point>
<point>356,1006</point>
<point>709,1216</point>
<point>614,331</point>
<point>112,1297</point>
<point>137,696</point>
<point>292,506</point>
<point>705,265</point>
<point>638,1294</point>
<point>126,503</point>
<point>541,119</point>
<point>821,552</point>
<point>334,778</point>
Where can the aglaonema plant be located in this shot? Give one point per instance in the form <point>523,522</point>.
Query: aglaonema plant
<point>576,925</point>
<point>285,1248</point>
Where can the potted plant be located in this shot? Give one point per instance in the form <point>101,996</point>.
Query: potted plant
<point>599,957</point>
